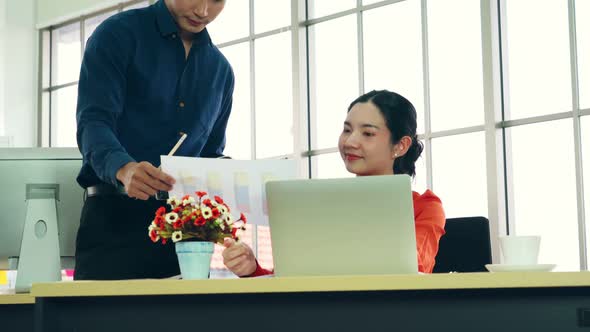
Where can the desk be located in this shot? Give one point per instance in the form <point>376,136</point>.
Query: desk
<point>527,301</point>
<point>16,312</point>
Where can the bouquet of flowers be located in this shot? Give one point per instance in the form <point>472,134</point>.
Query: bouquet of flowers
<point>202,219</point>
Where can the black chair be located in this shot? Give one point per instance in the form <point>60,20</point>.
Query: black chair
<point>465,247</point>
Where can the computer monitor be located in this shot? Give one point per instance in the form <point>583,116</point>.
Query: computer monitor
<point>40,206</point>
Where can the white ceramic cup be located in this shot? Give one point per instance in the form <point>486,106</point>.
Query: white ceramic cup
<point>519,249</point>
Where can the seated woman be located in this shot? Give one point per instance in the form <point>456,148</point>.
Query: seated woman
<point>379,138</point>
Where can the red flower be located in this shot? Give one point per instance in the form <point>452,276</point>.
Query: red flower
<point>159,221</point>
<point>218,199</point>
<point>154,235</point>
<point>200,221</point>
<point>185,197</point>
<point>242,218</point>
<point>161,211</point>
<point>177,224</point>
<point>200,193</point>
<point>177,209</point>
<point>207,202</point>
<point>215,213</point>
<point>164,240</point>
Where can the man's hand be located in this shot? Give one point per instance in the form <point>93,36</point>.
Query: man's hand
<point>143,180</point>
<point>238,258</point>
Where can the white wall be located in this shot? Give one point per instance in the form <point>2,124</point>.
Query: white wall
<point>18,71</point>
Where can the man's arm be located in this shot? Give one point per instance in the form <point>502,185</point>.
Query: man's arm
<point>101,96</point>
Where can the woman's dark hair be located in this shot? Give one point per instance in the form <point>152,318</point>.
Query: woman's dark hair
<point>400,117</point>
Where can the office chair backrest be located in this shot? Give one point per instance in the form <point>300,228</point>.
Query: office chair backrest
<point>465,247</point>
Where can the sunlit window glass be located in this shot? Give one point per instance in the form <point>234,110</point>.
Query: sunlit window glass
<point>544,189</point>
<point>271,14</point>
<point>455,64</point>
<point>583,43</point>
<point>63,116</point>
<point>319,8</point>
<point>538,63</point>
<point>333,77</point>
<point>274,96</point>
<point>393,52</point>
<point>232,23</point>
<point>238,133</point>
<point>459,174</point>
<point>66,54</point>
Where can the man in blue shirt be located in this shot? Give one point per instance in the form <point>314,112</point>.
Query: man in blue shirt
<point>147,76</point>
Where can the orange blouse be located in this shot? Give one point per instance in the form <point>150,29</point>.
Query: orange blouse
<point>430,226</point>
<point>430,221</point>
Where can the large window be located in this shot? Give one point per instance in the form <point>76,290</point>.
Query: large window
<point>543,97</point>
<point>62,51</point>
<point>469,77</point>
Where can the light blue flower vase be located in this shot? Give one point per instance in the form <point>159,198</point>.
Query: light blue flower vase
<point>194,258</point>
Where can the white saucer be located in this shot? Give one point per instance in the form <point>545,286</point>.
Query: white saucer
<point>515,268</point>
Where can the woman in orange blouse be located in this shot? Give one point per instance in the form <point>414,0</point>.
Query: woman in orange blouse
<point>379,138</point>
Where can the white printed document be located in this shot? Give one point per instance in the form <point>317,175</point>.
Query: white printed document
<point>241,183</point>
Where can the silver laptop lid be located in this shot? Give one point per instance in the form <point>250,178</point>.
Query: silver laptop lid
<point>352,226</point>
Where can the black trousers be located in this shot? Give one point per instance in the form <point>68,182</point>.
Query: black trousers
<point>113,241</point>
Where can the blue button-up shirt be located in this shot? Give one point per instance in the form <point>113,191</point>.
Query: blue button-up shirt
<point>138,91</point>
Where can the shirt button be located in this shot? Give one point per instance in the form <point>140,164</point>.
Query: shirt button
<point>181,104</point>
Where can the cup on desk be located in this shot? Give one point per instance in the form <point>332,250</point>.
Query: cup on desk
<point>520,249</point>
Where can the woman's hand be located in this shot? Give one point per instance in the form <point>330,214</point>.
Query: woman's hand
<point>238,258</point>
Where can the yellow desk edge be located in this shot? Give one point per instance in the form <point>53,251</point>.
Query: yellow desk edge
<point>16,299</point>
<point>313,284</point>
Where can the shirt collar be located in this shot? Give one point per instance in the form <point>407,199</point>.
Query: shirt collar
<point>165,21</point>
<point>168,26</point>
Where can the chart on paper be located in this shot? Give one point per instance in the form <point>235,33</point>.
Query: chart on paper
<point>241,183</point>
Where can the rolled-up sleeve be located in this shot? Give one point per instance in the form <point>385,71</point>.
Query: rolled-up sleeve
<point>101,96</point>
<point>430,226</point>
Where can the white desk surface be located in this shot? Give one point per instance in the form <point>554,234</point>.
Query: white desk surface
<point>313,284</point>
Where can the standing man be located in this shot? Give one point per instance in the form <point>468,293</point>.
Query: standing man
<point>147,76</point>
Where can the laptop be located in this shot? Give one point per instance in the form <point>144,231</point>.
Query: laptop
<point>351,226</point>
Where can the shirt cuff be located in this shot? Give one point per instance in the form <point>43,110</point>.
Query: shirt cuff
<point>260,271</point>
<point>116,161</point>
